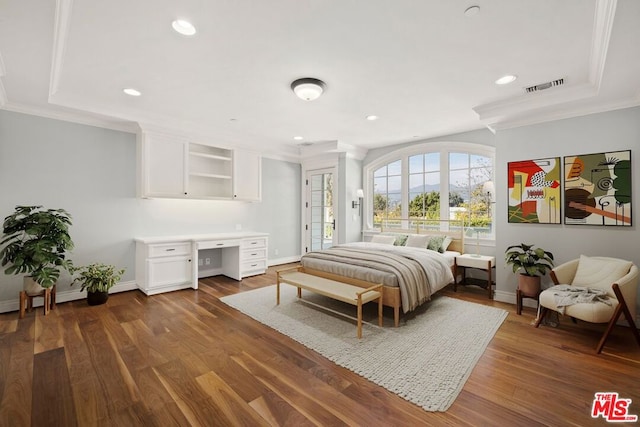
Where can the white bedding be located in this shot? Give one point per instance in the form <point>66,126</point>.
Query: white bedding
<point>436,265</point>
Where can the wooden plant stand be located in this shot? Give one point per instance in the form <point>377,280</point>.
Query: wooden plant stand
<point>49,295</point>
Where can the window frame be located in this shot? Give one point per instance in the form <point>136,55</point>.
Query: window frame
<point>403,154</point>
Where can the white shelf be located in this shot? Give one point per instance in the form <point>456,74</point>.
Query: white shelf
<point>210,156</point>
<point>210,175</point>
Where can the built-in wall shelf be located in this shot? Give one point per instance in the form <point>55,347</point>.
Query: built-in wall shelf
<point>178,168</point>
<point>209,175</point>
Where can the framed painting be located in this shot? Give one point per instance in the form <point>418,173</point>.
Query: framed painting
<point>597,189</point>
<point>534,191</point>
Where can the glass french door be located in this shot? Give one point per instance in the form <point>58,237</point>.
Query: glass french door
<point>321,223</point>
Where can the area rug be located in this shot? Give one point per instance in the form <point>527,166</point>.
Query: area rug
<point>426,360</point>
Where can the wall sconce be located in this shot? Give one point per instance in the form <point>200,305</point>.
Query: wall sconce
<point>358,203</point>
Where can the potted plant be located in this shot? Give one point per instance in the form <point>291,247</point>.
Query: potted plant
<point>97,279</point>
<point>532,262</point>
<point>35,243</point>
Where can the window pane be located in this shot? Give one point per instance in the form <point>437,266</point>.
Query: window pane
<point>432,162</point>
<point>381,172</point>
<point>395,183</point>
<point>380,185</point>
<point>432,181</point>
<point>416,164</point>
<point>395,168</point>
<point>416,183</point>
<point>458,161</point>
<point>479,161</point>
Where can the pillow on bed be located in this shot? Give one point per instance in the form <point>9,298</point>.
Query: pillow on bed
<point>417,241</point>
<point>381,238</point>
<point>401,239</point>
<point>445,243</point>
<point>435,243</point>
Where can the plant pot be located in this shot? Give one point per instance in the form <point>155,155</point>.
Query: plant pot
<point>31,287</point>
<point>97,298</point>
<point>529,285</point>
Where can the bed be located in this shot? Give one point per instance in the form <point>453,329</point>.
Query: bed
<point>410,274</point>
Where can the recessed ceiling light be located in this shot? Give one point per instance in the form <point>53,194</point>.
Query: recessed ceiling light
<point>298,138</point>
<point>183,27</point>
<point>504,80</point>
<point>472,11</point>
<point>132,92</point>
<point>372,117</point>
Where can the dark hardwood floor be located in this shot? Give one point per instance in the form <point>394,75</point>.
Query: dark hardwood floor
<point>185,358</point>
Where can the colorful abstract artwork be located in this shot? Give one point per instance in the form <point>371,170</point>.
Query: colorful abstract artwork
<point>597,189</point>
<point>534,191</point>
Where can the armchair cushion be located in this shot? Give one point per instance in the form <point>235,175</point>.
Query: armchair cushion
<point>594,312</point>
<point>600,272</point>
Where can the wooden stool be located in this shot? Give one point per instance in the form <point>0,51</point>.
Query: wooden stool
<point>520,296</point>
<point>49,295</point>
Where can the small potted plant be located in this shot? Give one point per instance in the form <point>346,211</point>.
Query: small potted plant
<point>35,243</point>
<point>532,262</point>
<point>97,279</point>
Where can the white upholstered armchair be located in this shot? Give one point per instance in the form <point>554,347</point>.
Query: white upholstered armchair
<point>599,290</point>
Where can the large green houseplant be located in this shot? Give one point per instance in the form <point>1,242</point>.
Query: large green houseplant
<point>97,279</point>
<point>532,262</point>
<point>35,243</point>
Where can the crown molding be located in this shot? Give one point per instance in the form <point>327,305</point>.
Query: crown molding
<point>565,113</point>
<point>509,112</point>
<point>60,32</point>
<point>602,27</point>
<point>72,116</point>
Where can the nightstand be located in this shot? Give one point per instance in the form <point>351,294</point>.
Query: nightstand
<point>480,262</point>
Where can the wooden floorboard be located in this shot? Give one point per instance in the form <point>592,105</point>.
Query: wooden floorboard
<point>185,358</point>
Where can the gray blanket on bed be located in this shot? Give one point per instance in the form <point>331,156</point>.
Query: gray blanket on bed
<point>345,261</point>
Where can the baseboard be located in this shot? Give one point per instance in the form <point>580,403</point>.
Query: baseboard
<point>286,260</point>
<point>64,296</point>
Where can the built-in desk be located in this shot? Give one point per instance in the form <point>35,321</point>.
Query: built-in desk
<point>169,263</point>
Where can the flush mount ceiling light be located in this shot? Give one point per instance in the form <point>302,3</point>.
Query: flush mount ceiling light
<point>298,138</point>
<point>504,80</point>
<point>183,27</point>
<point>372,117</point>
<point>308,88</point>
<point>132,92</point>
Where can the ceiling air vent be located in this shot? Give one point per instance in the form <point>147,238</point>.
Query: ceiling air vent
<point>543,86</point>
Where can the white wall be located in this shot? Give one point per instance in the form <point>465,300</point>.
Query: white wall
<point>350,170</point>
<point>91,172</point>
<point>611,131</point>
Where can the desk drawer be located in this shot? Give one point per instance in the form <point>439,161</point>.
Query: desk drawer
<point>254,267</point>
<point>212,244</point>
<point>258,242</point>
<point>169,249</point>
<point>254,255</point>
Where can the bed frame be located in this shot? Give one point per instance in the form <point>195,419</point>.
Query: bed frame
<point>391,295</point>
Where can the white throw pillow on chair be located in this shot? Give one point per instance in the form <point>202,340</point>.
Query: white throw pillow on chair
<point>600,273</point>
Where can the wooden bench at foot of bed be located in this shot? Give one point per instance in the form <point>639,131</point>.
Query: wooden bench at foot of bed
<point>338,290</point>
<point>390,294</point>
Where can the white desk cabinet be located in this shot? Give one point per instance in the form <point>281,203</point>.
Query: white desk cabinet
<point>163,267</point>
<point>170,263</point>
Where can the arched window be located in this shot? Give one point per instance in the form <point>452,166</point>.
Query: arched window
<point>413,181</point>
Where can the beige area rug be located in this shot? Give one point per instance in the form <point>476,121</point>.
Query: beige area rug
<point>426,360</point>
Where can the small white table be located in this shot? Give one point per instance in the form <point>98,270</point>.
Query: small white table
<point>481,262</point>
